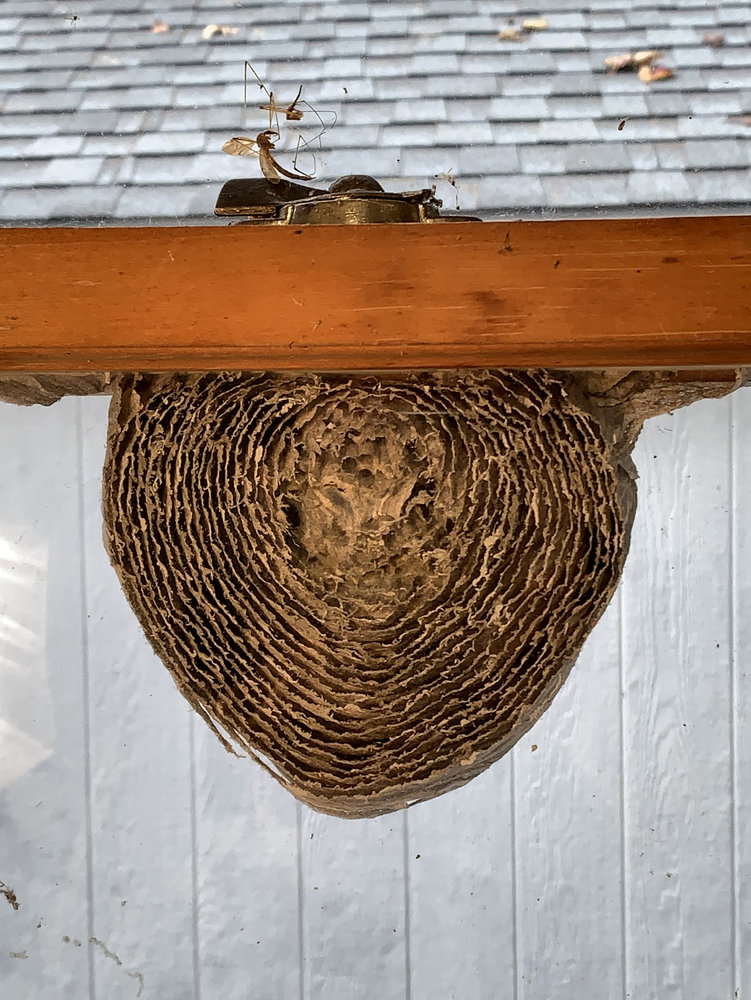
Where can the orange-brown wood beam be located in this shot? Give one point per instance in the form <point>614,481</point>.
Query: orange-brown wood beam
<point>585,294</point>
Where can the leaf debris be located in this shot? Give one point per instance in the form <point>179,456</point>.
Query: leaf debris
<point>515,33</point>
<point>644,62</point>
<point>221,30</point>
<point>650,73</point>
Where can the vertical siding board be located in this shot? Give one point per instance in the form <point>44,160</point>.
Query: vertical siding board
<point>568,820</point>
<point>247,878</point>
<point>677,703</point>
<point>461,891</point>
<point>741,645</point>
<point>353,899</point>
<point>361,909</point>
<point>43,808</point>
<point>140,766</point>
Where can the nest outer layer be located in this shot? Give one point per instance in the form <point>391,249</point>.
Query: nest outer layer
<point>373,585</point>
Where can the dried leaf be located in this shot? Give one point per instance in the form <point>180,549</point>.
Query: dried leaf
<point>646,56</point>
<point>535,24</point>
<point>211,30</point>
<point>509,35</point>
<point>624,60</point>
<point>714,38</point>
<point>160,28</point>
<point>651,74</point>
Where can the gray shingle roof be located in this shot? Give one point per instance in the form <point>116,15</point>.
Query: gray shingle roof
<point>105,120</point>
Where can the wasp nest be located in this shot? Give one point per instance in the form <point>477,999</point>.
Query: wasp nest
<point>372,585</point>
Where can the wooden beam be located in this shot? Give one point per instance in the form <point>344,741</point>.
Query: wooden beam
<point>564,294</point>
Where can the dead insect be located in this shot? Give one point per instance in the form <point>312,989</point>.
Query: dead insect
<point>450,179</point>
<point>73,18</point>
<point>5,890</point>
<point>261,147</point>
<point>292,112</point>
<point>622,124</point>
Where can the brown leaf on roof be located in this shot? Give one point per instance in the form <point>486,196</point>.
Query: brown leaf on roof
<point>646,56</point>
<point>212,30</point>
<point>160,27</point>
<point>714,38</point>
<point>514,33</point>
<point>653,73</point>
<point>624,60</point>
<point>644,60</point>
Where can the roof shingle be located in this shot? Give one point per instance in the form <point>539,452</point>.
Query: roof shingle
<point>103,118</point>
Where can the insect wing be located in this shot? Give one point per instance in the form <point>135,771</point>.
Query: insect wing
<point>240,145</point>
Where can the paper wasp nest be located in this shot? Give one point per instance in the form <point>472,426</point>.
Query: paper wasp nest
<point>373,585</point>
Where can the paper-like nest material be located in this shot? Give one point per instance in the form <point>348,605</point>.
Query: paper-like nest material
<point>373,585</point>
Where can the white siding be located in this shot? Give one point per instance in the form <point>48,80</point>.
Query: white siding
<point>612,861</point>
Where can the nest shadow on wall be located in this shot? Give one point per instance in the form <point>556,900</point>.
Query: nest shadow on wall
<point>373,585</point>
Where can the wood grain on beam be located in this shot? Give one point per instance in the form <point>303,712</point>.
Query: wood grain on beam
<point>566,294</point>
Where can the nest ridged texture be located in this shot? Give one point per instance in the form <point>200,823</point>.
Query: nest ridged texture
<point>372,585</point>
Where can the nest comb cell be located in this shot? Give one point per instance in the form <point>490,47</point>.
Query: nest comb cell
<point>371,583</point>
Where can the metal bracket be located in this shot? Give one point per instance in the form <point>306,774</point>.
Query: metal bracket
<point>350,200</point>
